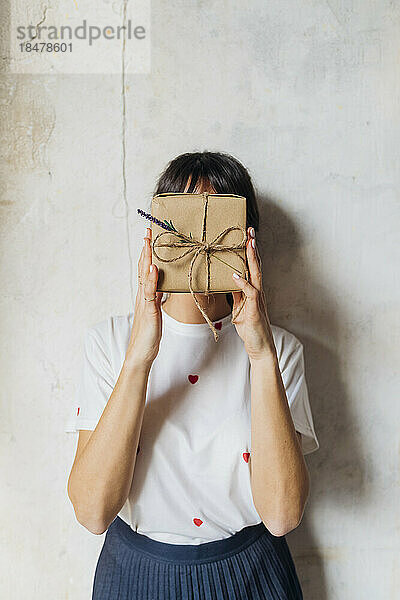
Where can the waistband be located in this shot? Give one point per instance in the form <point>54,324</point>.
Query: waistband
<point>188,553</point>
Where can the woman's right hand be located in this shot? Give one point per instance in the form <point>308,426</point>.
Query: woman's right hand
<point>147,319</point>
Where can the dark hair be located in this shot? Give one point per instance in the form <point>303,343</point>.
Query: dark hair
<point>224,173</point>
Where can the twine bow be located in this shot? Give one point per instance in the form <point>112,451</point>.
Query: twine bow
<point>200,247</point>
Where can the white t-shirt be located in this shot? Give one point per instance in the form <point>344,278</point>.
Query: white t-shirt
<point>191,481</point>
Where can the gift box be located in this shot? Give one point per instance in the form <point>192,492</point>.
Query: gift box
<point>201,242</point>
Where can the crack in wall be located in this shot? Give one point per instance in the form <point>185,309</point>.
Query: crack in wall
<point>123,140</point>
<point>46,8</point>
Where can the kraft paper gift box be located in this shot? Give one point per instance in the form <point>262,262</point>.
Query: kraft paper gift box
<point>201,218</point>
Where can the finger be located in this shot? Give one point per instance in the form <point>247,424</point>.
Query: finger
<point>252,235</point>
<point>139,287</point>
<point>258,256</point>
<point>259,282</point>
<point>237,297</point>
<point>146,260</point>
<point>147,250</point>
<point>250,292</point>
<point>262,295</point>
<point>254,252</point>
<point>141,258</point>
<point>254,266</point>
<point>150,288</point>
<point>140,261</point>
<point>150,236</point>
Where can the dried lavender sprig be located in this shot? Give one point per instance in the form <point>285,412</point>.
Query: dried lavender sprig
<point>168,225</point>
<point>155,220</point>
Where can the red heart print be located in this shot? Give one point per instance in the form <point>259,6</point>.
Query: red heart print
<point>78,410</point>
<point>218,325</point>
<point>246,456</point>
<point>193,378</point>
<point>197,522</point>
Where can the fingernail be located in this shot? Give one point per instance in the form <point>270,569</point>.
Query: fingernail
<point>235,275</point>
<point>253,243</point>
<point>151,268</point>
<point>252,232</point>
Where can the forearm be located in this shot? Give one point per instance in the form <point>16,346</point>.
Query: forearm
<point>101,477</point>
<point>279,475</point>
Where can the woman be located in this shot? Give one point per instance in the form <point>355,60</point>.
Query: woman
<point>190,452</point>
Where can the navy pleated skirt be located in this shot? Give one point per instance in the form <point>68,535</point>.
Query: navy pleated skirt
<point>252,564</point>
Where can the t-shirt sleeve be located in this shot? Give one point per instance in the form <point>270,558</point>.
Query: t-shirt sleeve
<point>95,383</point>
<point>293,376</point>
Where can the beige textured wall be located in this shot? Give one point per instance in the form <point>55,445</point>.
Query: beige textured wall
<point>307,95</point>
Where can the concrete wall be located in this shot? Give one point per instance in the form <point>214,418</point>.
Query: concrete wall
<point>307,95</point>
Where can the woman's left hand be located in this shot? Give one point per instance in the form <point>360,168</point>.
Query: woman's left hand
<point>252,322</point>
